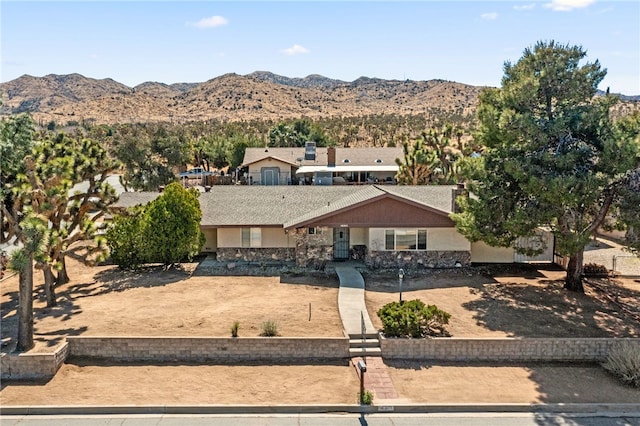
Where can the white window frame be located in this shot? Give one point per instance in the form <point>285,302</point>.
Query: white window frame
<point>251,237</point>
<point>403,234</point>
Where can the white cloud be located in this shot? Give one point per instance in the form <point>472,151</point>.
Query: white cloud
<point>212,22</point>
<point>296,49</point>
<point>568,5</point>
<point>489,16</point>
<point>525,6</point>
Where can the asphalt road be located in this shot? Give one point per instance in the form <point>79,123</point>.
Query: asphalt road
<point>454,419</point>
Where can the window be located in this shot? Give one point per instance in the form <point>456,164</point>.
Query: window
<point>405,239</point>
<point>251,237</point>
<point>314,231</point>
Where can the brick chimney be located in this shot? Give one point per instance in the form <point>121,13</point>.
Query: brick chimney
<point>331,156</point>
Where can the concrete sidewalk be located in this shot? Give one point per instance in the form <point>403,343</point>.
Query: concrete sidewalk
<point>351,302</point>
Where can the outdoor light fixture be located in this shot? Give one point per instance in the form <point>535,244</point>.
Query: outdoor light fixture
<point>400,278</point>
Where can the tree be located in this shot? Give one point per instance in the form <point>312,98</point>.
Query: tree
<point>552,158</point>
<point>54,167</point>
<point>167,230</point>
<point>172,228</point>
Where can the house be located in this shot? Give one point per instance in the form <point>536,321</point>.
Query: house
<point>320,166</point>
<point>384,225</point>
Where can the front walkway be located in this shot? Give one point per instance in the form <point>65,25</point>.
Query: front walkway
<point>353,310</point>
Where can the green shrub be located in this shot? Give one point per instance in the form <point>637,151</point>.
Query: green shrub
<point>623,361</point>
<point>269,329</point>
<point>234,329</point>
<point>413,319</point>
<point>366,398</point>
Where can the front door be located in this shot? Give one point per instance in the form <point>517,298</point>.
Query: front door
<point>270,175</point>
<point>341,243</point>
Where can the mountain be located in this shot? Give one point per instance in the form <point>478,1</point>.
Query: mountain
<point>232,97</point>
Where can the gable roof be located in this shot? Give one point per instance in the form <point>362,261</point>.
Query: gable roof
<point>286,206</point>
<point>356,156</point>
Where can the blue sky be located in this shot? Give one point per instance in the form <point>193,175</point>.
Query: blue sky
<point>170,41</point>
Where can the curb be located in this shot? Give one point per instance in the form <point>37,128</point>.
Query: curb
<point>631,410</point>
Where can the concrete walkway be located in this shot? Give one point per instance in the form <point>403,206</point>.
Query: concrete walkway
<point>351,301</point>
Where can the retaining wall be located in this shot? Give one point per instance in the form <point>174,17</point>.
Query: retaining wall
<point>501,349</point>
<point>207,349</point>
<point>32,366</point>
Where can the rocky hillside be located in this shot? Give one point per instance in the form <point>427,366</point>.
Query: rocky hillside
<point>232,97</point>
<point>260,95</point>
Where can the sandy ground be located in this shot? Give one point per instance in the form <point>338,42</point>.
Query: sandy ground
<point>531,303</point>
<point>105,301</point>
<point>189,384</point>
<point>153,302</point>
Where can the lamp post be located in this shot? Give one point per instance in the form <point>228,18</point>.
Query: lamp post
<point>400,278</point>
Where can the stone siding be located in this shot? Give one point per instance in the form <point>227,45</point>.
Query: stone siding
<point>255,254</point>
<point>313,249</point>
<point>207,349</point>
<point>32,366</point>
<point>416,259</point>
<point>501,349</point>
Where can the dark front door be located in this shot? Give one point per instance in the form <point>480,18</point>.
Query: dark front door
<point>341,243</point>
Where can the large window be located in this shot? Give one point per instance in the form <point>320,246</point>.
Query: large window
<point>405,239</point>
<point>251,237</point>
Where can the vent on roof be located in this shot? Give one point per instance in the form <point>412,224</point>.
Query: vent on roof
<point>346,160</point>
<point>378,161</point>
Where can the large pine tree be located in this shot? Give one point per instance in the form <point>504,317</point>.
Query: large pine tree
<point>552,156</point>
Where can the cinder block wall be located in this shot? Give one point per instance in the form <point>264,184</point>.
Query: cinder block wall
<point>199,349</point>
<point>32,366</point>
<point>501,349</point>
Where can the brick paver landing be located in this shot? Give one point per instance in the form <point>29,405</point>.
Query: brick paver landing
<point>377,378</point>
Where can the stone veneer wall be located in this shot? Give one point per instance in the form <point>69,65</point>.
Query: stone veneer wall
<point>414,259</point>
<point>211,349</point>
<point>32,366</point>
<point>501,349</point>
<point>255,254</point>
<point>313,249</point>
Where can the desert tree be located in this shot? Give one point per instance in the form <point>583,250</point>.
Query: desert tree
<point>552,157</point>
<point>65,184</point>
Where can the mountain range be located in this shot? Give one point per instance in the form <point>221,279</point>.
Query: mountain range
<point>231,97</point>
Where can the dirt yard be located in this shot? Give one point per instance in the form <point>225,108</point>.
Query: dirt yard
<point>105,301</point>
<point>523,302</point>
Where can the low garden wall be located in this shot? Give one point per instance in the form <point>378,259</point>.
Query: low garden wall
<point>208,349</point>
<point>416,259</point>
<point>32,366</point>
<point>255,254</point>
<point>500,349</point>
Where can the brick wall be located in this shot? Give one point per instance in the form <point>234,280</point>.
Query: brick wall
<point>500,349</point>
<point>32,366</point>
<point>199,349</point>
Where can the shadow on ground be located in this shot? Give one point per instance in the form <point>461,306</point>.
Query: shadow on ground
<point>548,310</point>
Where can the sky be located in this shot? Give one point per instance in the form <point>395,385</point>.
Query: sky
<point>180,41</point>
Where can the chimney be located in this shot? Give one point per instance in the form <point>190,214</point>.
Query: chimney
<point>331,156</point>
<point>458,191</point>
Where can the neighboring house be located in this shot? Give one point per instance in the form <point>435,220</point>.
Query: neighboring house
<point>386,226</point>
<point>320,166</point>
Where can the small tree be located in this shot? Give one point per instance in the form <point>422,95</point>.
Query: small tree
<point>167,230</point>
<point>172,225</point>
